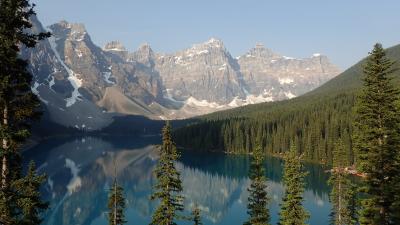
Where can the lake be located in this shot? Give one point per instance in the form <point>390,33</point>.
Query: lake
<point>81,169</point>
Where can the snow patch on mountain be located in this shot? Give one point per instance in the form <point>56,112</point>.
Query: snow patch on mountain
<point>253,99</point>
<point>79,34</point>
<point>78,53</point>
<point>115,49</point>
<point>107,75</point>
<point>202,52</point>
<point>73,79</point>
<point>75,95</point>
<point>51,82</point>
<point>236,102</point>
<point>223,67</point>
<point>287,57</point>
<point>35,91</point>
<point>285,80</point>
<point>289,95</point>
<point>203,103</point>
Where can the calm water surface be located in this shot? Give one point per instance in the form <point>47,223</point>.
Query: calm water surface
<point>80,171</point>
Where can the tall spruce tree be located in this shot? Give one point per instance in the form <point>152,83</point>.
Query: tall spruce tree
<point>168,185</point>
<point>196,215</point>
<point>343,190</point>
<point>30,202</point>
<point>292,210</point>
<point>18,106</point>
<point>376,138</point>
<point>257,207</point>
<point>17,102</point>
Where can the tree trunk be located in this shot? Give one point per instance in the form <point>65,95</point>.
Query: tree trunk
<point>4,168</point>
<point>340,199</point>
<point>115,202</point>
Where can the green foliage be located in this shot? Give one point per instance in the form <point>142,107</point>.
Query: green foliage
<point>7,206</point>
<point>377,141</point>
<point>29,198</point>
<point>292,210</point>
<point>196,215</point>
<point>343,194</point>
<point>15,92</point>
<point>258,196</point>
<point>116,205</point>
<point>168,184</point>
<point>19,196</point>
<point>21,202</point>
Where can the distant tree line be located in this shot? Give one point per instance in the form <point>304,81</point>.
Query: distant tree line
<point>313,126</point>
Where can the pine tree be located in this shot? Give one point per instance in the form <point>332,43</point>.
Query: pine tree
<point>18,105</point>
<point>29,200</point>
<point>168,185</point>
<point>196,215</point>
<point>292,210</point>
<point>377,142</point>
<point>343,190</point>
<point>116,205</point>
<point>17,102</point>
<point>258,196</point>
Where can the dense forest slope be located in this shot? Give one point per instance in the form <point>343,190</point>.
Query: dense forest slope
<point>313,121</point>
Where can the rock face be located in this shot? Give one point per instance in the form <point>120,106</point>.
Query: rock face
<point>279,77</point>
<point>206,72</point>
<point>84,86</point>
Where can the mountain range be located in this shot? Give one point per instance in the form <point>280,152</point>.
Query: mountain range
<point>85,86</point>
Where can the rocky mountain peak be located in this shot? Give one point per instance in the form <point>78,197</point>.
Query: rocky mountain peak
<point>145,48</point>
<point>260,51</point>
<point>213,47</point>
<point>215,42</point>
<point>72,31</point>
<point>114,46</point>
<point>144,54</point>
<point>212,43</point>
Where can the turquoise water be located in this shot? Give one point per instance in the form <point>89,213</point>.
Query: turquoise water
<point>80,170</point>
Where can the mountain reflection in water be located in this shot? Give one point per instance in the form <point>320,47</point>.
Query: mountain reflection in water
<point>80,171</point>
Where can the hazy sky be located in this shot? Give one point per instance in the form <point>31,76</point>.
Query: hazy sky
<point>344,30</point>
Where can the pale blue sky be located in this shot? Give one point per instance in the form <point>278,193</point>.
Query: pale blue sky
<point>345,30</point>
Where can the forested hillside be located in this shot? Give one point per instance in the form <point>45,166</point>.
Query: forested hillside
<point>313,121</point>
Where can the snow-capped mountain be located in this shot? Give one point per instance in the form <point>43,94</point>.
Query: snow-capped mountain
<point>85,86</point>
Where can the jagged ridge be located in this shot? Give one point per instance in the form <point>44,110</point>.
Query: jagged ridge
<point>197,80</point>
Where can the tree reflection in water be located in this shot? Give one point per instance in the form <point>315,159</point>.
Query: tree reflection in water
<point>80,171</point>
